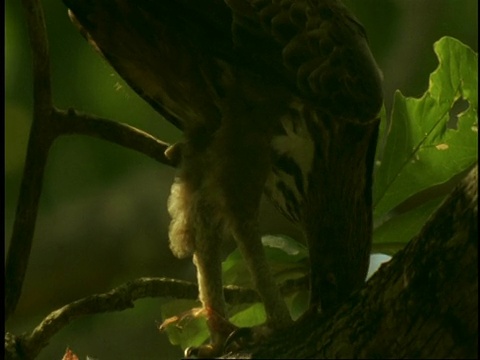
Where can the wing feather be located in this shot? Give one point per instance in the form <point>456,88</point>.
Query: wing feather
<point>166,50</point>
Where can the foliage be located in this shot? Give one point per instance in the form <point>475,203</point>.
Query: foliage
<point>429,140</point>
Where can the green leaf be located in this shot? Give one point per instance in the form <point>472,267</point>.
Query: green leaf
<point>234,270</point>
<point>287,259</point>
<point>402,228</point>
<point>250,316</point>
<point>282,248</point>
<point>423,147</point>
<point>298,303</point>
<point>189,330</point>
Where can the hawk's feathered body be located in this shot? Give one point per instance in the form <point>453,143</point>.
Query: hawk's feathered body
<point>280,96</point>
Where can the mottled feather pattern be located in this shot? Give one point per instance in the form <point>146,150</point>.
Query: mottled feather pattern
<point>293,154</point>
<point>319,47</point>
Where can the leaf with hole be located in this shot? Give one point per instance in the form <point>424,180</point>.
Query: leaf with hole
<point>429,141</point>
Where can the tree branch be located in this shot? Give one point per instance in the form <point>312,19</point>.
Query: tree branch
<point>62,123</point>
<point>49,123</point>
<point>120,298</point>
<point>71,122</point>
<point>40,140</point>
<point>422,304</point>
<point>42,90</point>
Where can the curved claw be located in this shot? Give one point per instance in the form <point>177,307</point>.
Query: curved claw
<point>214,349</point>
<point>239,338</point>
<point>246,337</point>
<point>202,352</point>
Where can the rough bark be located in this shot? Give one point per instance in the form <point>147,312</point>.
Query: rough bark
<point>422,304</point>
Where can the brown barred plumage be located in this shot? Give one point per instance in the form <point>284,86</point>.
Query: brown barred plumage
<point>280,96</point>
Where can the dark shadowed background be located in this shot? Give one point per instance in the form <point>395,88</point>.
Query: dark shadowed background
<point>103,218</point>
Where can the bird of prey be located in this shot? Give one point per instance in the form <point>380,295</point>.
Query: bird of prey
<point>273,96</point>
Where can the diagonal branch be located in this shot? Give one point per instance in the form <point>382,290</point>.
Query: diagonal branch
<point>121,298</point>
<point>71,122</point>
<point>118,299</point>
<point>422,304</point>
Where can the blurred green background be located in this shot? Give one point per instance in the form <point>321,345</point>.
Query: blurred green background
<point>103,217</point>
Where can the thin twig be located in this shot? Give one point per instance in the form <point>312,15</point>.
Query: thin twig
<point>120,298</point>
<point>117,299</point>
<point>72,122</point>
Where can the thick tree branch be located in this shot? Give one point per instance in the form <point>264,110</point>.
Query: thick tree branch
<point>422,304</point>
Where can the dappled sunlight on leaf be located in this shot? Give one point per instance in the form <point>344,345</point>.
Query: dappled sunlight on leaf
<point>412,161</point>
<point>425,145</point>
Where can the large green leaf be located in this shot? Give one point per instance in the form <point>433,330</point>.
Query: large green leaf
<point>425,147</point>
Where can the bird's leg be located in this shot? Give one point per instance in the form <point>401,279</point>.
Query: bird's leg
<point>248,239</point>
<point>197,228</point>
<point>211,296</point>
<point>207,259</point>
<point>244,177</point>
<point>243,223</point>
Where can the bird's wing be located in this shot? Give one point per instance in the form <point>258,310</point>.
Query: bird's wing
<point>156,47</point>
<point>319,46</point>
<point>315,48</point>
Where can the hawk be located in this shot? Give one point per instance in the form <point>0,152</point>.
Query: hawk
<point>273,96</point>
